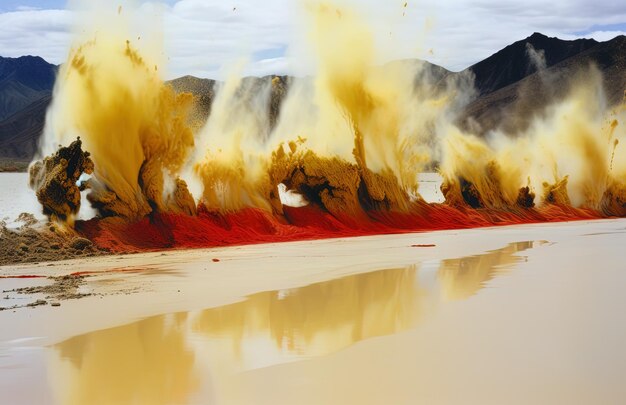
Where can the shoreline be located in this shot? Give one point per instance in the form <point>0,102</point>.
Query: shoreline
<point>126,289</point>
<point>86,248</point>
<point>8,165</point>
<point>171,232</point>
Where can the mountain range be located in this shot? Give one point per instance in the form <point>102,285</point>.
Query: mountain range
<point>511,86</point>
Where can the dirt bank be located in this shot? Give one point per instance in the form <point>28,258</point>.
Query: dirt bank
<point>42,242</point>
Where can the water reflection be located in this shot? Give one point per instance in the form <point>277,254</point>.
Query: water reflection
<point>147,362</point>
<point>322,317</point>
<point>167,359</point>
<point>462,278</point>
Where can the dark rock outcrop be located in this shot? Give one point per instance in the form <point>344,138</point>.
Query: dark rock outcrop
<point>55,180</point>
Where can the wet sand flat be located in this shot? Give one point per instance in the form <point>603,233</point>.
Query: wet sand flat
<point>525,314</point>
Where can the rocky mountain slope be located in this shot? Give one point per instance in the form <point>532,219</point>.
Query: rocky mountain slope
<point>512,86</point>
<point>512,105</point>
<point>23,81</point>
<point>522,58</point>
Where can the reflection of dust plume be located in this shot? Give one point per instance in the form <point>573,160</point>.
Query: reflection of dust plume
<point>146,362</point>
<point>159,359</point>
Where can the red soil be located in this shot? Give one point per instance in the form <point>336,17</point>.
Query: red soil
<point>249,226</point>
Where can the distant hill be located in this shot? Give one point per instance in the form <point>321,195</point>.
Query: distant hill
<point>512,86</point>
<point>205,91</point>
<point>26,85</point>
<point>511,107</point>
<point>23,81</point>
<point>514,62</point>
<point>20,133</point>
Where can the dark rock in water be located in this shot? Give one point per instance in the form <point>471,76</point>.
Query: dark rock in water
<point>55,179</point>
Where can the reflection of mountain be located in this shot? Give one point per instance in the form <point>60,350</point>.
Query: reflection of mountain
<point>157,360</point>
<point>462,278</point>
<point>142,363</point>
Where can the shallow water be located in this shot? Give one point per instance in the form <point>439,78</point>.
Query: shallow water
<point>194,357</point>
<point>535,321</point>
<point>16,197</point>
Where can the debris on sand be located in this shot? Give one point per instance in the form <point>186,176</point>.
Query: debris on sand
<point>37,303</point>
<point>79,243</point>
<point>43,242</point>
<point>27,219</point>
<point>63,288</point>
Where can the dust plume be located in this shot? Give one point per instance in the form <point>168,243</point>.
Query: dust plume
<point>229,161</point>
<point>348,143</point>
<point>564,157</point>
<point>348,139</point>
<point>134,126</point>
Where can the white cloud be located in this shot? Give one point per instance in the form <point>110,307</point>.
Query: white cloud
<point>208,36</point>
<point>202,37</point>
<point>27,8</point>
<point>35,32</point>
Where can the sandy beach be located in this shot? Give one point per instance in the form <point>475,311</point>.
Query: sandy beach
<point>521,314</point>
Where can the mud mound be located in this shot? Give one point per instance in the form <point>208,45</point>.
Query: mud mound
<point>39,242</point>
<point>55,180</point>
<point>344,189</point>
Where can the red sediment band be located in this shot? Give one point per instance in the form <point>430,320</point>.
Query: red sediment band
<point>25,276</point>
<point>251,225</point>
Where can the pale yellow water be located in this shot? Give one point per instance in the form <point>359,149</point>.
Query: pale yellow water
<point>538,320</point>
<point>165,359</point>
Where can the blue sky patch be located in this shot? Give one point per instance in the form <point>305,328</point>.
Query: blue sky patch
<point>596,28</point>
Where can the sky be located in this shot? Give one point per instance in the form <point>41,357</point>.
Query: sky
<point>207,38</point>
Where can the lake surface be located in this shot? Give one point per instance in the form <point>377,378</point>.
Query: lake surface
<point>16,197</point>
<point>517,315</point>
